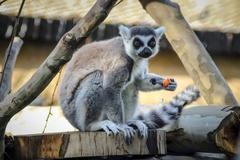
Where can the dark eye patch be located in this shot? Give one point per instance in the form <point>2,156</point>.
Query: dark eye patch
<point>152,42</point>
<point>137,43</point>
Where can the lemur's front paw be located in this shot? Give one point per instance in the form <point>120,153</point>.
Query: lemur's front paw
<point>128,133</point>
<point>141,127</point>
<point>169,84</point>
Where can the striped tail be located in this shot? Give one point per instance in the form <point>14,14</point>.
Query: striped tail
<point>171,111</point>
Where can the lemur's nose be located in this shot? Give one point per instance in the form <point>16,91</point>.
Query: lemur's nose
<point>146,52</point>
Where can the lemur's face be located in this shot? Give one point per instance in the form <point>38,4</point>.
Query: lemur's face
<point>141,42</point>
<point>144,46</point>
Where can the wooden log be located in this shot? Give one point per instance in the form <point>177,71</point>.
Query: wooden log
<point>86,144</point>
<point>191,52</point>
<point>191,133</point>
<point>226,134</point>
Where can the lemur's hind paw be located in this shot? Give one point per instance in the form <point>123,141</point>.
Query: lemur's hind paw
<point>110,128</point>
<point>141,127</point>
<point>128,133</point>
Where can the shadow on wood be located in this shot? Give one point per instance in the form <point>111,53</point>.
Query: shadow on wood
<point>86,144</point>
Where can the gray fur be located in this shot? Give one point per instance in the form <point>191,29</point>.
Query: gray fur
<point>100,86</point>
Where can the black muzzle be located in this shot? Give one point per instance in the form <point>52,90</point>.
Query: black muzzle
<point>145,53</point>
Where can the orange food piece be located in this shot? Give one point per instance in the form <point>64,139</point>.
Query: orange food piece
<point>166,82</point>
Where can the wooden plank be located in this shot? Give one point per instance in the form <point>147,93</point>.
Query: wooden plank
<point>86,144</point>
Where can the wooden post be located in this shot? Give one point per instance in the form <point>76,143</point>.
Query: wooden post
<point>86,144</point>
<point>192,53</point>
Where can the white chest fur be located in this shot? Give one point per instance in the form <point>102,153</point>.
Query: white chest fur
<point>139,70</point>
<point>130,92</point>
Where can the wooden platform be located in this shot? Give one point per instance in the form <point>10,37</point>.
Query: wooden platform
<point>86,144</point>
<point>61,140</point>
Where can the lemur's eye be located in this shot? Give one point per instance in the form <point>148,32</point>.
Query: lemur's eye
<point>137,43</point>
<point>152,43</point>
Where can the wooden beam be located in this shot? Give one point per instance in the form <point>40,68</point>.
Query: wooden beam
<point>86,144</point>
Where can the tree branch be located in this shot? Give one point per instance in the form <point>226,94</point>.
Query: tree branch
<point>191,52</point>
<point>12,39</point>
<point>2,2</point>
<point>58,57</point>
<point>10,60</point>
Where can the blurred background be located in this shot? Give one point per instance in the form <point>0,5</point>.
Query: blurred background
<point>42,23</point>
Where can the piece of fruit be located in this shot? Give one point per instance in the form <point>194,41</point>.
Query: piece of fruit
<point>166,82</point>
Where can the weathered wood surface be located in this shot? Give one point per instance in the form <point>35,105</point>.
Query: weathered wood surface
<point>191,133</point>
<point>226,134</point>
<point>205,129</point>
<point>86,144</point>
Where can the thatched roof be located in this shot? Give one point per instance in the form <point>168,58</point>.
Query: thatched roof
<point>129,11</point>
<point>214,15</point>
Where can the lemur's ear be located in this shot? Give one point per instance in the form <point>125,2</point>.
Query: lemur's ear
<point>124,31</point>
<point>160,31</point>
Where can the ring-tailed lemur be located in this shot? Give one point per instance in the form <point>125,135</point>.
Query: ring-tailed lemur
<point>100,86</point>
